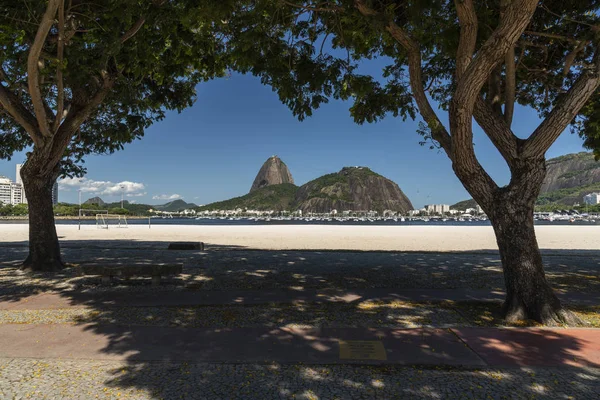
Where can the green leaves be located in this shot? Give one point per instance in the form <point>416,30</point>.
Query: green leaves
<point>177,46</point>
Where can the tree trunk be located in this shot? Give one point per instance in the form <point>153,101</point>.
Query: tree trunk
<point>44,249</point>
<point>528,295</point>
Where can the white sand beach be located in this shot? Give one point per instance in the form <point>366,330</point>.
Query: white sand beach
<point>321,237</point>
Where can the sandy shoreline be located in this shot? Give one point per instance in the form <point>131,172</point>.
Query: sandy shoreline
<point>321,237</point>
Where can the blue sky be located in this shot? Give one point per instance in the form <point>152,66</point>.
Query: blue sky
<point>213,150</point>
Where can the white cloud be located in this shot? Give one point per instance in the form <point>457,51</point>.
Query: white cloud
<point>166,197</point>
<point>136,194</point>
<point>102,188</point>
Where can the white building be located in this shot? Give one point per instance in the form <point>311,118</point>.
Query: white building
<point>17,194</point>
<point>437,208</point>
<point>5,190</point>
<point>10,192</point>
<point>19,182</point>
<point>18,177</point>
<point>592,198</point>
<point>412,213</point>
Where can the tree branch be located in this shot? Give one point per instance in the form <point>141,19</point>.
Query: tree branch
<point>551,36</point>
<point>22,116</point>
<point>510,86</point>
<point>494,90</point>
<point>77,115</point>
<point>515,19</point>
<point>510,70</point>
<point>564,111</point>
<point>570,58</point>
<point>471,75</point>
<point>133,30</point>
<point>438,131</point>
<point>497,129</point>
<point>60,101</point>
<point>33,72</point>
<point>467,19</point>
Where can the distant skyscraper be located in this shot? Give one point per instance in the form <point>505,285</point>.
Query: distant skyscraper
<point>18,181</point>
<point>18,178</point>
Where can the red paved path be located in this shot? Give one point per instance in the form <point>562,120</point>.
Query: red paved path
<point>469,347</point>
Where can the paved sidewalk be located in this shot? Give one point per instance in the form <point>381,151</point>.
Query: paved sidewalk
<point>466,347</point>
<point>190,298</point>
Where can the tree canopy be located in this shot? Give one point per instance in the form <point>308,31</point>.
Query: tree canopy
<point>106,70</point>
<point>313,52</point>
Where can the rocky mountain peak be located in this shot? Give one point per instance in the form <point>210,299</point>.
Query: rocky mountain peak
<point>95,200</point>
<point>352,188</point>
<point>273,172</point>
<point>571,170</point>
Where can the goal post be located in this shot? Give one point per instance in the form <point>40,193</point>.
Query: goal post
<point>101,222</point>
<point>104,220</point>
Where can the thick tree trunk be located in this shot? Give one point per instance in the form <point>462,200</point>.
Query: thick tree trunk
<point>528,295</point>
<point>44,249</point>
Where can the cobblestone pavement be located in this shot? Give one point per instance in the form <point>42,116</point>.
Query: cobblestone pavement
<point>51,379</point>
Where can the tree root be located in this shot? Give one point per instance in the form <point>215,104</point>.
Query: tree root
<point>44,266</point>
<point>547,314</point>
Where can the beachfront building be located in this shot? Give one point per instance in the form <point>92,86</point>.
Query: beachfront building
<point>592,198</point>
<point>17,194</point>
<point>11,192</point>
<point>437,209</point>
<point>420,211</point>
<point>5,195</point>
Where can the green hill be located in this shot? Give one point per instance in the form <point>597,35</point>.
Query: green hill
<point>175,205</point>
<point>463,205</point>
<point>567,196</point>
<point>273,197</point>
<point>352,188</point>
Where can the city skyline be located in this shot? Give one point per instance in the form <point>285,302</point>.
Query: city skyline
<point>213,150</point>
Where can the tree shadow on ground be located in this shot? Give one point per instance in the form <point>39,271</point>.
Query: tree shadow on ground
<point>161,355</point>
<point>227,268</point>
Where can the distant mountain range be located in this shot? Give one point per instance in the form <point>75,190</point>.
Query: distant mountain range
<point>175,205</point>
<point>172,206</point>
<point>568,179</point>
<point>352,189</point>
